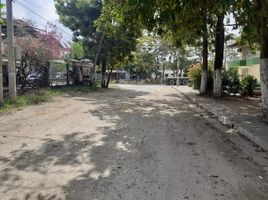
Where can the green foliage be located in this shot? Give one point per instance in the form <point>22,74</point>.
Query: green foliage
<point>230,81</point>
<point>30,98</point>
<point>79,16</point>
<point>77,50</point>
<point>144,63</point>
<point>96,23</point>
<point>194,74</point>
<point>249,84</point>
<point>1,13</point>
<point>34,97</point>
<point>120,38</point>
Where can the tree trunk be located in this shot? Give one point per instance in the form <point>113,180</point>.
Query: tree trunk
<point>96,60</point>
<point>204,77</point>
<point>103,74</point>
<point>109,76</point>
<point>22,74</point>
<point>180,75</point>
<point>264,67</point>
<point>1,70</point>
<point>219,48</point>
<point>163,73</point>
<point>68,74</point>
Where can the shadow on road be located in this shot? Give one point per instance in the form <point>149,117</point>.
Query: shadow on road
<point>88,157</point>
<point>103,165</point>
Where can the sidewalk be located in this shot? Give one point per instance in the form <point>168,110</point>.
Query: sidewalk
<point>236,113</point>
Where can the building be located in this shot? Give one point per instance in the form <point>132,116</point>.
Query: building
<point>118,75</point>
<point>247,64</point>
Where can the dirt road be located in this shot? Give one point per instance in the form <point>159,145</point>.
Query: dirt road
<point>130,143</point>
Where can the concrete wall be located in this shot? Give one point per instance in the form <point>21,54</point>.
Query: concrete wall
<point>253,70</point>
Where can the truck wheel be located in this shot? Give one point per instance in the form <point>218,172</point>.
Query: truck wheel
<point>184,82</point>
<point>171,82</point>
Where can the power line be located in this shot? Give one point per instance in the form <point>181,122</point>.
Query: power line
<point>40,16</point>
<point>32,3</point>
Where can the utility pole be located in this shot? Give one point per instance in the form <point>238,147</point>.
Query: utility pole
<point>11,58</point>
<point>1,67</point>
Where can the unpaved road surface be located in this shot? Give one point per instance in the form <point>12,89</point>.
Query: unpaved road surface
<point>130,143</point>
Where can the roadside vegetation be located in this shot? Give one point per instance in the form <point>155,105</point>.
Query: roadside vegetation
<point>232,83</point>
<point>146,39</point>
<point>38,96</point>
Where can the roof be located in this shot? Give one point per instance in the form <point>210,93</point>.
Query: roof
<point>80,63</point>
<point>20,25</point>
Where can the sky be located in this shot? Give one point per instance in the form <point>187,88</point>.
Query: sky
<point>46,9</point>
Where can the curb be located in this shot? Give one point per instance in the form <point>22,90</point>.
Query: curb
<point>229,122</point>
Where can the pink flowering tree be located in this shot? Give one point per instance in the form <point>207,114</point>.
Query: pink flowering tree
<point>37,52</point>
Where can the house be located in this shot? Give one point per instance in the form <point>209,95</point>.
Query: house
<point>119,75</point>
<point>247,64</point>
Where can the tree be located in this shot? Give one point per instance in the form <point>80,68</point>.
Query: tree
<point>185,22</point>
<point>145,64</point>
<point>158,48</point>
<point>80,17</point>
<point>252,16</point>
<point>37,52</point>
<point>1,69</point>
<point>77,50</point>
<point>120,38</point>
<point>219,50</point>
<point>105,39</point>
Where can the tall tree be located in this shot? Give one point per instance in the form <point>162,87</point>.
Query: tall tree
<point>120,37</point>
<point>253,17</point>
<point>187,22</point>
<point>219,50</point>
<point>106,40</point>
<point>80,17</point>
<point>1,67</point>
<point>220,9</point>
<point>77,50</point>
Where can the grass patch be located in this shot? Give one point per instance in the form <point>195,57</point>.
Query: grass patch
<point>37,96</point>
<point>28,98</point>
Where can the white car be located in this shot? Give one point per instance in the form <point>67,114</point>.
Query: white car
<point>58,75</point>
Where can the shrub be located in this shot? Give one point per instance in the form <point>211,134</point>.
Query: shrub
<point>249,84</point>
<point>231,82</point>
<point>195,74</point>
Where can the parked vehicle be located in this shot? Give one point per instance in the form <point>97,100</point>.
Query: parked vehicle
<point>173,81</point>
<point>33,80</point>
<point>58,75</point>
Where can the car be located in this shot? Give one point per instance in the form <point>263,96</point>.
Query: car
<point>58,75</point>
<point>33,79</point>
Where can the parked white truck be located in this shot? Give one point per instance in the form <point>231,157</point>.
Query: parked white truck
<point>170,78</point>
